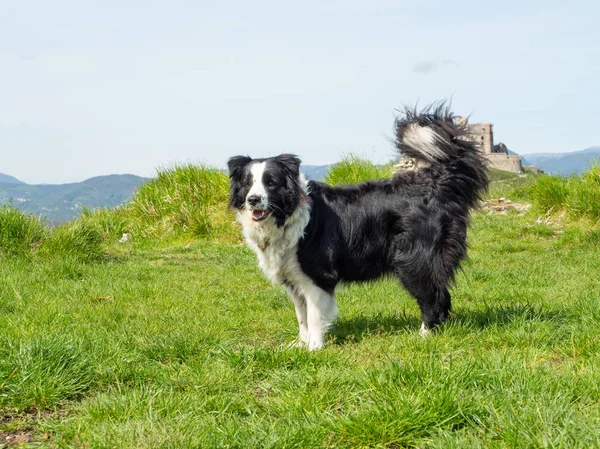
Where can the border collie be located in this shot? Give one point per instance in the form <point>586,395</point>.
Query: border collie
<point>310,236</point>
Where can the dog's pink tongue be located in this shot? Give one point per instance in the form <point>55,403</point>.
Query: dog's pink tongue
<point>258,213</point>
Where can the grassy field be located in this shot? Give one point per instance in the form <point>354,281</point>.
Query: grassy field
<point>179,342</point>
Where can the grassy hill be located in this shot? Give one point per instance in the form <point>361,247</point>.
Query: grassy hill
<point>62,202</point>
<point>175,339</point>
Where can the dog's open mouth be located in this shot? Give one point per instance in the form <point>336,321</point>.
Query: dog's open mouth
<point>259,215</point>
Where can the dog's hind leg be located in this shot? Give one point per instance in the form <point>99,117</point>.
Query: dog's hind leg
<point>434,299</point>
<point>435,309</point>
<point>299,301</point>
<point>321,310</point>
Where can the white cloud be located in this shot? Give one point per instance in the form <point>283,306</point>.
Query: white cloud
<point>430,66</point>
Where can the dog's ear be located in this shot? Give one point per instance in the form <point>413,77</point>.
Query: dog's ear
<point>290,163</point>
<point>236,164</point>
<point>236,169</point>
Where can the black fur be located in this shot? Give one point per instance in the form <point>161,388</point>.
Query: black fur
<point>413,225</point>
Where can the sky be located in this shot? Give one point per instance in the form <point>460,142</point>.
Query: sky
<point>91,88</point>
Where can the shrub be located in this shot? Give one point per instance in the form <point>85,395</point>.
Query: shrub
<point>78,239</point>
<point>352,170</point>
<point>550,192</point>
<point>578,195</point>
<point>584,194</point>
<point>20,233</point>
<point>25,235</point>
<point>111,224</point>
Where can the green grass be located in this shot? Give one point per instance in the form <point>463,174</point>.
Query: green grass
<point>584,195</point>
<point>26,236</point>
<point>514,186</point>
<point>185,198</point>
<point>352,169</point>
<point>19,233</point>
<point>184,201</point>
<point>578,195</point>
<point>80,240</point>
<point>183,345</point>
<point>175,339</point>
<point>550,192</point>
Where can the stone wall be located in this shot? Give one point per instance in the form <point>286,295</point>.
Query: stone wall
<point>506,162</point>
<point>482,134</point>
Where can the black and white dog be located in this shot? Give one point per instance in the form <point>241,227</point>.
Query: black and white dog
<point>310,236</point>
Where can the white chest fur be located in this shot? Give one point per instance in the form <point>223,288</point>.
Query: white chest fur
<point>276,247</point>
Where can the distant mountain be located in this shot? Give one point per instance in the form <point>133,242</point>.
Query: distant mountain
<point>563,163</point>
<point>62,202</point>
<point>5,179</point>
<point>315,172</point>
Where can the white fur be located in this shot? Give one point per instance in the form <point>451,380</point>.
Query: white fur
<point>276,249</point>
<point>300,306</point>
<point>257,169</point>
<point>321,310</point>
<point>425,140</point>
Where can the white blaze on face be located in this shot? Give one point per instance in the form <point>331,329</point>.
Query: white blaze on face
<point>257,170</point>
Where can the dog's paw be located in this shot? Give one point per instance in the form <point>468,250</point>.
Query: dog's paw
<point>315,345</point>
<point>424,331</point>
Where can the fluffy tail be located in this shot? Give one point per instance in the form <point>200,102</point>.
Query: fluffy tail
<point>435,136</point>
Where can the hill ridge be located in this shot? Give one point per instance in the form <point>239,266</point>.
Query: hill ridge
<point>7,179</point>
<point>62,202</point>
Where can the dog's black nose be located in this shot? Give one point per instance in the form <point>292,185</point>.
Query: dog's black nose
<point>254,200</point>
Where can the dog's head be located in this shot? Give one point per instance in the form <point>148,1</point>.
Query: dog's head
<point>265,188</point>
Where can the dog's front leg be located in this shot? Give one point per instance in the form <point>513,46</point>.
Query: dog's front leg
<point>321,310</point>
<point>299,301</point>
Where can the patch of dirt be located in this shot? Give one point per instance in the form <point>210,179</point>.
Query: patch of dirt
<point>22,427</point>
<point>550,219</point>
<point>10,439</point>
<point>502,206</point>
<point>32,414</point>
<point>15,439</point>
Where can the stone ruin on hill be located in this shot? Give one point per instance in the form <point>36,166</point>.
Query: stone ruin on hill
<point>497,155</point>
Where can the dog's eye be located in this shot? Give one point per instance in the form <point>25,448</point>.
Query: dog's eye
<point>271,183</point>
